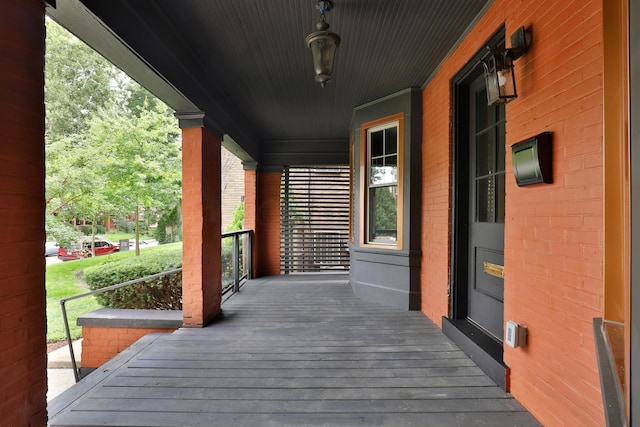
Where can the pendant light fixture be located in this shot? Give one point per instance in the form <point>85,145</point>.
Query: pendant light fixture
<point>323,45</point>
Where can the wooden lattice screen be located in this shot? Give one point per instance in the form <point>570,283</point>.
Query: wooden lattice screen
<point>314,219</point>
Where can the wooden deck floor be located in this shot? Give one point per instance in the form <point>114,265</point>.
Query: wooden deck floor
<point>293,350</point>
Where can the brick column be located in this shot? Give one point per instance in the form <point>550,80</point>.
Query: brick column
<point>201,253</point>
<point>23,352</point>
<point>262,214</point>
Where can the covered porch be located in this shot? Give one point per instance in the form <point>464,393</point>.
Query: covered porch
<point>467,247</point>
<point>293,350</point>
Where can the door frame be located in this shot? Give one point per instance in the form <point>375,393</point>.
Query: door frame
<point>460,180</point>
<point>485,350</point>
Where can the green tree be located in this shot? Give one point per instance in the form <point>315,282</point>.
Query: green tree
<point>64,234</point>
<point>141,158</point>
<point>238,218</point>
<point>169,225</point>
<point>78,83</point>
<point>111,147</point>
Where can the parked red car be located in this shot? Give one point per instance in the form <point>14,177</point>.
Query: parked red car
<point>83,249</point>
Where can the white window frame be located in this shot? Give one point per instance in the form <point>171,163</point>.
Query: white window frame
<point>366,130</point>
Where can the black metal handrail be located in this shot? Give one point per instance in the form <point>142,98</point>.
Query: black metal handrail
<point>230,289</point>
<point>237,266</point>
<point>63,302</point>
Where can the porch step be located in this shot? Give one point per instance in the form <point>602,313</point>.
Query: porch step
<point>61,358</point>
<point>482,349</point>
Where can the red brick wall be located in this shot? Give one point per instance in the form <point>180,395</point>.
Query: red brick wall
<point>23,356</point>
<point>262,214</point>
<point>101,344</point>
<point>553,234</point>
<point>201,267</point>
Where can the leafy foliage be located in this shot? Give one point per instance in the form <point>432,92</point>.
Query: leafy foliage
<point>169,226</point>
<point>64,234</point>
<point>227,245</point>
<point>238,218</point>
<point>112,148</point>
<point>87,230</point>
<point>164,293</point>
<point>78,82</point>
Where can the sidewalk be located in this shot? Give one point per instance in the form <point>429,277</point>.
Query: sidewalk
<point>60,370</point>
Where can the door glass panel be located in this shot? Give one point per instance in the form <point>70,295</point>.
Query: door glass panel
<point>484,154</point>
<point>500,189</point>
<point>482,113</point>
<point>500,146</point>
<point>485,199</point>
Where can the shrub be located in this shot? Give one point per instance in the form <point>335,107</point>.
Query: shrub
<point>125,225</point>
<point>169,227</point>
<point>164,293</point>
<point>160,233</point>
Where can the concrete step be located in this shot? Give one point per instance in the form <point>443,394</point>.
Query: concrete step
<point>61,358</point>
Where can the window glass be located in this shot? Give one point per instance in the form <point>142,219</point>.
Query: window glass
<point>382,160</point>
<point>391,139</point>
<point>377,144</point>
<point>384,175</point>
<point>383,210</point>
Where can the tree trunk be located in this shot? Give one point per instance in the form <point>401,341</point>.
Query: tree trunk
<point>137,230</point>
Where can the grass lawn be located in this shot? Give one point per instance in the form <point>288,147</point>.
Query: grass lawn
<point>116,236</point>
<point>64,279</point>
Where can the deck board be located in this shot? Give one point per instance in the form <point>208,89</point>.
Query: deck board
<point>296,350</point>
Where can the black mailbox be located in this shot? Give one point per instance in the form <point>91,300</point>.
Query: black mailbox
<point>532,160</point>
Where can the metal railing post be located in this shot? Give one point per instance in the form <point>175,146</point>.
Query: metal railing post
<point>76,374</point>
<point>248,250</point>
<point>236,265</point>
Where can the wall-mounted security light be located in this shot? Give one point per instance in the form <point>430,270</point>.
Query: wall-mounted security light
<point>498,68</point>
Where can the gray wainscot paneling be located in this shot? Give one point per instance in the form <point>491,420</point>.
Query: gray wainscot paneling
<point>391,276</point>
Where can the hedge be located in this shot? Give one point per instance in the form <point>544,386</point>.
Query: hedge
<point>164,293</point>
